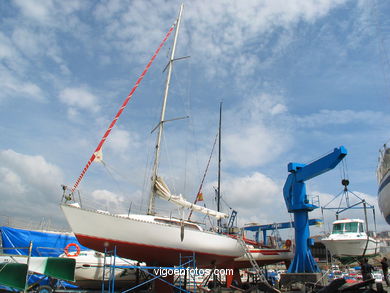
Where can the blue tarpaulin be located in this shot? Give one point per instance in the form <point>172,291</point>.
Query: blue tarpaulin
<point>48,244</point>
<point>44,243</point>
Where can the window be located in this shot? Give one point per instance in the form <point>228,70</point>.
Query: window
<point>338,228</point>
<point>361,229</point>
<point>351,227</point>
<point>177,223</point>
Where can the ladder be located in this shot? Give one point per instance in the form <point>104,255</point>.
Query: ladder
<point>255,265</point>
<point>232,218</point>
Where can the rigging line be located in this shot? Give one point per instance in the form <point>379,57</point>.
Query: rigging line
<point>148,170</point>
<point>192,130</point>
<point>186,143</point>
<point>112,171</point>
<point>113,122</point>
<point>226,203</point>
<point>170,164</point>
<point>204,174</point>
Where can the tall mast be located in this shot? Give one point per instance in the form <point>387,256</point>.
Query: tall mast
<point>161,123</point>
<point>219,165</point>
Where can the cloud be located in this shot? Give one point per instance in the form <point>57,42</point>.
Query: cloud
<point>106,196</point>
<point>16,87</point>
<point>79,99</point>
<point>256,197</point>
<point>219,35</point>
<point>252,137</point>
<point>122,141</point>
<point>27,184</point>
<point>51,12</point>
<point>339,117</point>
<point>253,146</point>
<point>37,10</point>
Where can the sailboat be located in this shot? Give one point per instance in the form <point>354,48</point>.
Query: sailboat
<point>151,238</point>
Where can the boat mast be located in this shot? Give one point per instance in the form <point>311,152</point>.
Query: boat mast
<point>219,166</point>
<point>161,123</point>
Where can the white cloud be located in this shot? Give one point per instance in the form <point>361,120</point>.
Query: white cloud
<point>30,186</point>
<point>16,87</point>
<point>11,180</point>
<point>218,32</point>
<point>107,196</point>
<point>256,197</point>
<point>38,10</point>
<point>122,141</point>
<point>337,117</point>
<point>79,98</point>
<point>250,138</point>
<point>50,12</point>
<point>253,146</point>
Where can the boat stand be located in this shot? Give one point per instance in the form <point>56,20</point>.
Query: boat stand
<point>162,277</point>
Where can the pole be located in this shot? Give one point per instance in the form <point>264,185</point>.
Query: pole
<point>219,167</point>
<point>28,263</point>
<point>161,123</point>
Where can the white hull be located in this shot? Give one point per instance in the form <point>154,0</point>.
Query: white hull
<point>265,255</point>
<point>384,197</point>
<point>89,267</point>
<point>383,175</point>
<point>140,237</point>
<point>351,247</point>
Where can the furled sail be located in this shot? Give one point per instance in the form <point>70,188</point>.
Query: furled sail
<point>163,191</point>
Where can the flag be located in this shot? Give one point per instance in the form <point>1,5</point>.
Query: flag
<point>199,197</point>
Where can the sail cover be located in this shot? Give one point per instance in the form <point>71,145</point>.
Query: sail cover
<point>163,191</point>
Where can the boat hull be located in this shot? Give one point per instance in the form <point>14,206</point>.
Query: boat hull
<point>384,197</point>
<point>351,247</point>
<point>146,241</point>
<point>265,256</point>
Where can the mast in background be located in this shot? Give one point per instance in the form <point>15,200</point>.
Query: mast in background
<point>219,168</point>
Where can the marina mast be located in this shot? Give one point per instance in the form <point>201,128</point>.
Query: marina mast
<point>219,167</point>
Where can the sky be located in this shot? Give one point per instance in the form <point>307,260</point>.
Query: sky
<point>296,79</point>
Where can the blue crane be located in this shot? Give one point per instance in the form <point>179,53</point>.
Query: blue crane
<point>275,226</point>
<point>295,197</point>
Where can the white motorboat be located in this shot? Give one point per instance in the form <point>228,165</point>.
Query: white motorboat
<point>90,270</point>
<point>349,239</point>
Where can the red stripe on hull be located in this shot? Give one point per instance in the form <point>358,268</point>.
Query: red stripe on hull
<point>269,252</point>
<point>152,255</point>
<point>247,264</point>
